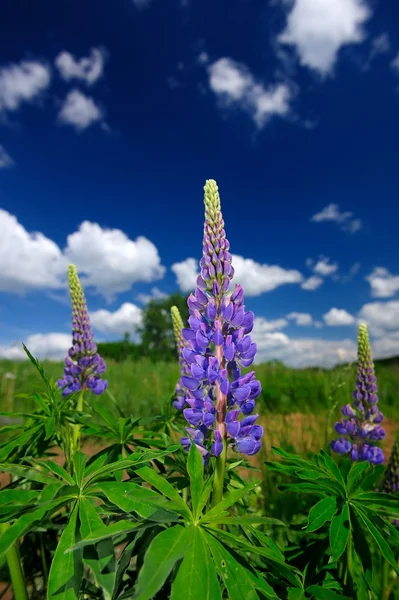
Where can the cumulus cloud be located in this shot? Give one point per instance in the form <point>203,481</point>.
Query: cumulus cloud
<point>5,158</point>
<point>300,352</point>
<point>318,29</point>
<point>256,278</point>
<point>301,319</point>
<point>27,260</point>
<point>155,294</point>
<point>312,283</point>
<point>266,325</point>
<point>124,320</point>
<point>346,220</point>
<point>52,346</point>
<point>381,317</point>
<point>380,45</point>
<point>110,261</point>
<point>88,69</point>
<point>235,86</point>
<point>107,258</point>
<point>22,82</point>
<point>324,267</point>
<point>338,316</point>
<point>395,63</point>
<point>383,284</point>
<point>79,110</point>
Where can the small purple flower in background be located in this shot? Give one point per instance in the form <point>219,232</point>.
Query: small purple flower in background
<point>178,325</point>
<point>83,366</point>
<point>390,483</point>
<point>362,422</point>
<point>219,400</point>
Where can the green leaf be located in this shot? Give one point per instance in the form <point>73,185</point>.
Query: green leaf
<point>79,462</point>
<point>249,520</point>
<point>195,468</point>
<point>27,473</point>
<point>66,570</point>
<point>333,469</point>
<point>165,550</point>
<point>321,512</point>
<point>235,577</point>
<point>205,495</point>
<point>101,557</point>
<point>228,501</point>
<point>361,547</point>
<point>131,497</point>
<point>119,528</point>
<point>196,578</point>
<point>321,593</point>
<point>296,594</point>
<point>49,426</point>
<point>378,538</point>
<point>355,475</point>
<point>17,496</point>
<point>339,532</point>
<point>52,466</point>
<point>160,484</point>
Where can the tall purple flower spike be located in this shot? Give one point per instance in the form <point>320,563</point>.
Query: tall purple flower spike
<point>362,423</point>
<point>83,366</point>
<point>219,400</point>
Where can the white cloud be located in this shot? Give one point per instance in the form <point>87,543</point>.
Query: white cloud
<point>301,319</point>
<point>265,325</point>
<point>53,346</point>
<point>324,267</point>
<point>89,68</point>
<point>381,317</point>
<point>156,294</point>
<point>319,28</point>
<point>79,110</point>
<point>124,320</point>
<point>395,63</point>
<point>110,261</point>
<point>22,83</point>
<point>234,85</point>
<point>312,283</point>
<point>383,284</point>
<point>186,274</point>
<point>346,220</point>
<point>255,278</point>
<point>27,260</point>
<point>380,45</point>
<point>300,352</point>
<point>338,316</point>
<point>5,158</point>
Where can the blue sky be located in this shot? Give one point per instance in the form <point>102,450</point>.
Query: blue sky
<point>113,115</point>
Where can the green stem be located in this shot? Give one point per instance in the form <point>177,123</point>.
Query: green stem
<point>384,581</point>
<point>76,428</point>
<point>15,568</point>
<point>218,481</point>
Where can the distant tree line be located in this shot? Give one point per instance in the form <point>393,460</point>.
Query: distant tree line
<point>156,333</point>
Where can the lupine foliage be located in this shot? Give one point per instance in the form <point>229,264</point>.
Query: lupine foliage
<point>148,516</point>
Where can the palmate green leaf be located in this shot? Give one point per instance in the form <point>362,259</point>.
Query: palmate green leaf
<point>234,576</point>
<point>205,494</point>
<point>120,528</point>
<point>18,496</point>
<point>249,520</point>
<point>379,502</point>
<point>321,512</point>
<point>372,479</point>
<point>134,460</point>
<point>52,466</point>
<point>23,525</point>
<point>131,497</point>
<point>100,558</point>
<point>296,594</point>
<point>165,550</point>
<point>18,442</point>
<point>355,474</point>
<point>322,593</point>
<point>28,473</point>
<point>195,468</point>
<point>332,468</point>
<point>79,462</point>
<point>196,578</point>
<point>361,547</point>
<point>309,488</point>
<point>378,538</point>
<point>321,480</point>
<point>339,532</point>
<point>228,501</point>
<point>159,483</point>
<point>49,426</point>
<point>293,458</point>
<point>66,571</point>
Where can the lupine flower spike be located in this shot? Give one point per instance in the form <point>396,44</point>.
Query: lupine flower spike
<point>83,366</point>
<point>178,325</point>
<point>362,423</point>
<point>390,484</point>
<point>219,400</point>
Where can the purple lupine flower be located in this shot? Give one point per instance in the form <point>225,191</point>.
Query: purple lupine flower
<point>178,325</point>
<point>83,366</point>
<point>219,400</point>
<point>361,422</point>
<point>390,482</point>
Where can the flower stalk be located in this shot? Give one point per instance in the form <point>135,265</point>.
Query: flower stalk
<point>15,568</point>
